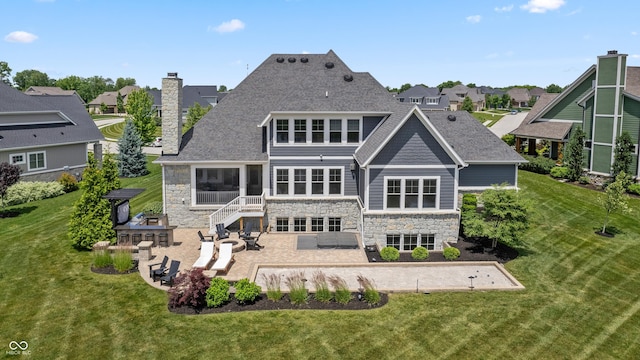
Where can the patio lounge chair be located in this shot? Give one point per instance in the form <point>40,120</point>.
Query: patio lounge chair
<point>222,232</point>
<point>206,255</point>
<point>162,267</point>
<point>225,258</point>
<point>171,274</point>
<point>204,238</point>
<point>248,227</point>
<point>252,242</point>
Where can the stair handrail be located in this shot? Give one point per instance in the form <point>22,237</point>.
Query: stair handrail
<point>240,203</point>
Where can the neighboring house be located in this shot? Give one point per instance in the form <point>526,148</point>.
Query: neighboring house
<point>536,92</point>
<point>603,101</point>
<point>519,97</point>
<point>305,144</point>
<point>457,94</point>
<point>488,90</point>
<point>110,99</point>
<point>157,101</point>
<point>426,98</point>
<point>204,95</point>
<point>51,90</point>
<point>45,135</point>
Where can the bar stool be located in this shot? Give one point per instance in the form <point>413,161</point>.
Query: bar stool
<point>123,239</point>
<point>150,237</point>
<point>163,240</point>
<point>136,238</point>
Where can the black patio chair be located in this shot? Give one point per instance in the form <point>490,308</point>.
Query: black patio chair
<point>222,232</point>
<point>204,238</point>
<point>162,268</point>
<point>251,243</point>
<point>248,227</point>
<point>171,274</point>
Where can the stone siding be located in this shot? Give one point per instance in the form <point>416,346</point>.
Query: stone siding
<point>177,187</point>
<point>171,115</point>
<point>348,210</point>
<point>377,226</point>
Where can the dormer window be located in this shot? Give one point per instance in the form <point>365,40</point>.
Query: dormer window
<point>282,131</point>
<point>432,100</point>
<point>415,100</point>
<point>317,131</point>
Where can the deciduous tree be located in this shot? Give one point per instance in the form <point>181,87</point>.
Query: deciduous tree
<point>195,113</point>
<point>615,199</point>
<point>131,160</point>
<point>140,109</point>
<point>553,89</point>
<point>9,175</point>
<point>26,78</point>
<point>122,82</point>
<point>449,84</point>
<point>467,104</point>
<point>222,88</point>
<point>5,73</point>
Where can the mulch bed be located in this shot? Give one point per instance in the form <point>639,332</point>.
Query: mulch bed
<point>110,270</point>
<point>472,249</point>
<point>262,303</point>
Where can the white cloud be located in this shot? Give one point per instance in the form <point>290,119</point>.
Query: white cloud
<point>474,19</point>
<point>634,33</point>
<point>227,26</point>
<point>542,6</point>
<point>306,52</point>
<point>20,37</point>
<point>504,8</point>
<point>635,56</point>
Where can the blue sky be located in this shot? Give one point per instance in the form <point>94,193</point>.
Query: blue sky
<point>495,43</point>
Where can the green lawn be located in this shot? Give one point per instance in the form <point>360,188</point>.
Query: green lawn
<point>484,117</point>
<point>582,299</point>
<point>115,131</point>
<point>102,117</point>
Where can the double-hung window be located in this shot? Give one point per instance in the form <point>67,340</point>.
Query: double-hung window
<point>335,130</point>
<point>353,130</point>
<point>314,181</point>
<point>300,130</point>
<point>282,181</point>
<point>317,131</point>
<point>317,181</point>
<point>300,181</point>
<point>282,131</point>
<point>37,161</point>
<point>411,193</point>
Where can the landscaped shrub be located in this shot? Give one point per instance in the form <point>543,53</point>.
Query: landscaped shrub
<point>537,164</point>
<point>298,293</point>
<point>584,180</point>
<point>510,139</point>
<point>189,289</point>
<point>154,207</point>
<point>26,191</point>
<point>470,199</point>
<point>322,294</point>
<point>451,253</point>
<point>273,287</point>
<point>370,294</point>
<point>389,253</point>
<point>68,182</point>
<point>218,292</point>
<point>419,253</point>
<point>101,258</point>
<point>341,290</point>
<point>559,172</point>
<point>634,189</point>
<point>123,259</point>
<point>246,291</point>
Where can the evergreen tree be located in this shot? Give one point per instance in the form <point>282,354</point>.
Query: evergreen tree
<point>574,155</point>
<point>131,161</point>
<point>119,103</point>
<point>467,104</point>
<point>91,216</point>
<point>623,157</point>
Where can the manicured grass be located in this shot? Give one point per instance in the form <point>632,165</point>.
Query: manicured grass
<point>581,301</point>
<point>484,117</point>
<point>115,131</point>
<point>102,117</point>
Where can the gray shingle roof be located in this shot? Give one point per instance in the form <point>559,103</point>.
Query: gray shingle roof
<point>192,94</point>
<point>12,100</point>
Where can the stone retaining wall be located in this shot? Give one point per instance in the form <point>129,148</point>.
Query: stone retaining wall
<point>377,226</point>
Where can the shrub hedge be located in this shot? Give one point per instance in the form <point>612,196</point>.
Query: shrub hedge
<point>389,253</point>
<point>27,191</point>
<point>537,164</point>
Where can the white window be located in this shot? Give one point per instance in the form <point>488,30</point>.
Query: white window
<point>432,100</point>
<point>414,100</point>
<point>282,131</point>
<point>317,130</point>
<point>300,131</point>
<point>299,224</point>
<point>394,240</point>
<point>335,224</point>
<point>335,130</point>
<point>317,224</point>
<point>408,242</point>
<point>411,193</point>
<point>282,224</point>
<point>353,130</point>
<point>315,181</point>
<point>37,160</point>
<point>17,159</point>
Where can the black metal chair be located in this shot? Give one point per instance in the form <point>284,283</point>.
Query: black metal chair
<point>162,268</point>
<point>171,274</point>
<point>222,232</point>
<point>204,238</point>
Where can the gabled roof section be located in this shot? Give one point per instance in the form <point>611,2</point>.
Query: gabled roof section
<point>519,94</point>
<point>282,83</point>
<point>192,94</point>
<point>383,134</point>
<point>419,91</point>
<point>48,90</point>
<point>549,130</point>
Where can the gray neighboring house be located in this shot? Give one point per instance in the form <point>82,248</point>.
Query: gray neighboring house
<point>519,97</point>
<point>427,98</point>
<point>306,145</point>
<point>457,94</point>
<point>51,90</point>
<point>45,135</point>
<point>204,95</point>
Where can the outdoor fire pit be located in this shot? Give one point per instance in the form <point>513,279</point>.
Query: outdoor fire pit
<point>238,244</point>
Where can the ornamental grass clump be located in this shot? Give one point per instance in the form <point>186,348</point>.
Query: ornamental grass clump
<point>419,253</point>
<point>322,294</point>
<point>369,292</point>
<point>298,293</point>
<point>189,289</point>
<point>101,258</point>
<point>451,253</point>
<point>341,290</point>
<point>389,253</point>
<point>218,292</point>
<point>246,291</point>
<point>123,259</point>
<point>274,293</point>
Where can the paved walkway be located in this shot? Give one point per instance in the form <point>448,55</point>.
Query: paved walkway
<point>507,124</point>
<point>112,144</point>
<point>281,257</point>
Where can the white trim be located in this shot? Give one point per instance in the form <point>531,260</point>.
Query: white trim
<point>24,159</point>
<point>325,114</point>
<point>44,146</point>
<point>316,157</point>
<point>308,121</point>
<point>311,198</point>
<point>308,182</point>
<point>412,166</point>
<point>403,187</point>
<point>599,173</point>
<point>212,163</point>
<point>44,160</point>
<point>164,190</point>
<point>242,186</point>
<point>405,211</point>
<point>497,162</point>
<point>367,186</point>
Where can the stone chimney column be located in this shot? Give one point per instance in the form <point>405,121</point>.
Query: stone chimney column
<point>171,114</point>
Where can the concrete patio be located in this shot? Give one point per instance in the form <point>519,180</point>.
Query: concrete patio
<point>280,256</point>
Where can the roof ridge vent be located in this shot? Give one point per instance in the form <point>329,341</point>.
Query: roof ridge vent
<point>451,117</point>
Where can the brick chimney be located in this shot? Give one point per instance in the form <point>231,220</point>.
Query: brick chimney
<point>171,114</point>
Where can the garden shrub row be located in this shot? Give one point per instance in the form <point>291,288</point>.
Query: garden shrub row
<point>537,164</point>
<point>23,192</point>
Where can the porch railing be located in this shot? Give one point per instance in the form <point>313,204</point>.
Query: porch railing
<point>215,197</point>
<point>234,209</point>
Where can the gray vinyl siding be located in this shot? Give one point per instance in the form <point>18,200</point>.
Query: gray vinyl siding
<point>412,145</point>
<point>349,181</point>
<point>368,124</point>
<point>446,184</point>
<point>313,150</point>
<point>56,157</point>
<point>488,175</point>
